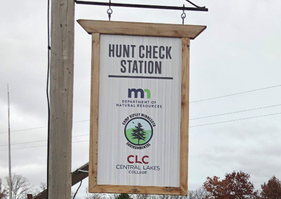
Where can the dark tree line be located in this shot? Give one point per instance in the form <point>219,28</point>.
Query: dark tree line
<point>235,185</point>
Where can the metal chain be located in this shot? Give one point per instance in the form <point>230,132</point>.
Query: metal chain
<point>183,15</point>
<point>109,11</point>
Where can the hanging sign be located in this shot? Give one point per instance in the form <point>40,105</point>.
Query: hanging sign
<point>139,107</point>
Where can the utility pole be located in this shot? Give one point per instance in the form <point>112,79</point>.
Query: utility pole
<point>61,98</point>
<point>9,143</point>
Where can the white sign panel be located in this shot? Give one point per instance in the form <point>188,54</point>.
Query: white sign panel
<point>139,111</point>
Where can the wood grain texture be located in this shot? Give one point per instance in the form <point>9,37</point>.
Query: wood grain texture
<point>184,117</point>
<point>61,98</point>
<point>144,29</point>
<point>94,115</point>
<point>136,190</point>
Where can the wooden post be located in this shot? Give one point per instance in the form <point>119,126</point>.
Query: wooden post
<point>29,196</point>
<point>61,98</point>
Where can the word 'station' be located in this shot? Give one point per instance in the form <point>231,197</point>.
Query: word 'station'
<point>142,59</point>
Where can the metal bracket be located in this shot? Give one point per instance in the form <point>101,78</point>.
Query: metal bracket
<point>183,15</point>
<point>195,8</point>
<point>109,11</point>
<point>82,171</point>
<point>195,4</point>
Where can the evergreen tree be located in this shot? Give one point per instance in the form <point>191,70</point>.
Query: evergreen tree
<point>123,196</point>
<point>138,133</point>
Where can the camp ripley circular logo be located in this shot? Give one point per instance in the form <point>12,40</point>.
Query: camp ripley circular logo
<point>138,130</point>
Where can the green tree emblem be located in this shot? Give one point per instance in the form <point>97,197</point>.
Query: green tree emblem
<point>138,133</point>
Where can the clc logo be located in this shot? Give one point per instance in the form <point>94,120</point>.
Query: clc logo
<point>134,159</point>
<point>137,92</point>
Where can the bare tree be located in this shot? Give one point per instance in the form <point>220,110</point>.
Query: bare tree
<point>200,193</point>
<point>100,195</point>
<point>171,197</point>
<point>140,196</point>
<point>197,194</point>
<point>3,191</point>
<point>40,188</point>
<point>20,186</point>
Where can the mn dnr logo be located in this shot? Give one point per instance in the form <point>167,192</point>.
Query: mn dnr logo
<point>139,131</point>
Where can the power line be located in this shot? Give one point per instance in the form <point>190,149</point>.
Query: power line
<point>26,129</point>
<point>241,111</point>
<point>197,118</point>
<point>24,143</point>
<point>235,120</point>
<point>194,126</point>
<point>196,101</point>
<point>41,146</point>
<point>40,127</point>
<point>41,140</point>
<point>233,94</point>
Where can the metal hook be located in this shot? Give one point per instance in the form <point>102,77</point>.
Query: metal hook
<point>195,5</point>
<point>109,11</point>
<point>183,15</point>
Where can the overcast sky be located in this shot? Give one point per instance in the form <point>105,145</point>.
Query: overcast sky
<point>239,51</point>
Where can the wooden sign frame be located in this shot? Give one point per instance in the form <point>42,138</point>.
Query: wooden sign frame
<point>186,32</point>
